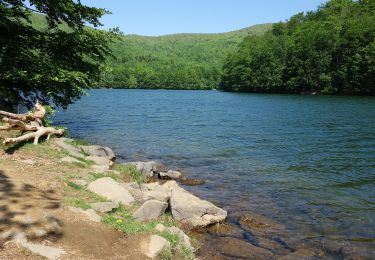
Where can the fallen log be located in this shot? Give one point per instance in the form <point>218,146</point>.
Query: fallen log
<point>31,122</point>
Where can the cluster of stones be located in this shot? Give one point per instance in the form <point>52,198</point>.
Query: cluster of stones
<point>155,198</point>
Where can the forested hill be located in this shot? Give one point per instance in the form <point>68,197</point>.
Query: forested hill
<point>178,61</point>
<point>330,51</point>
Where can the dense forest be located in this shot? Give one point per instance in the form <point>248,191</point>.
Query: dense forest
<point>176,61</point>
<point>329,51</point>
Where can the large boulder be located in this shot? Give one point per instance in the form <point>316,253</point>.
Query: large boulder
<point>192,210</point>
<point>151,209</point>
<point>97,150</point>
<point>154,246</point>
<point>112,190</point>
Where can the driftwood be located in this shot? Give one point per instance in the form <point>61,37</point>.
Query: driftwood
<point>31,122</point>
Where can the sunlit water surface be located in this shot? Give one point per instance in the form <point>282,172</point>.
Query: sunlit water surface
<point>308,162</point>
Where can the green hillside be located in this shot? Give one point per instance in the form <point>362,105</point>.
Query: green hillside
<point>178,61</point>
<point>182,61</point>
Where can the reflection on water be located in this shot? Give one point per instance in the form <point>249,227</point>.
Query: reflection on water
<point>307,162</point>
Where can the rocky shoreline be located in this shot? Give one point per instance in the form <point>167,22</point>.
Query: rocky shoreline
<point>157,193</point>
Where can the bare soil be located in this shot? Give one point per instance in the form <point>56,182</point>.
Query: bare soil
<point>31,201</point>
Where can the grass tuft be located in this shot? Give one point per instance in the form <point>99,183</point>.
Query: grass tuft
<point>131,171</point>
<point>77,202</point>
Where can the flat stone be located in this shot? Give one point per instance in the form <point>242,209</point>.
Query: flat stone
<point>170,174</point>
<point>104,206</point>
<point>46,251</point>
<point>112,190</point>
<point>97,150</point>
<point>155,245</point>
<point>60,143</point>
<point>69,159</point>
<point>151,209</point>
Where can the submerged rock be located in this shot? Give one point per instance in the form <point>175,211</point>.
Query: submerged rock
<point>112,190</point>
<point>192,182</point>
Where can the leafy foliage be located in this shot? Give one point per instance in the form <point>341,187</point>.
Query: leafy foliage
<point>328,51</point>
<point>54,64</point>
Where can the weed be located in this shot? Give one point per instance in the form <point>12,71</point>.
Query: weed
<point>77,202</point>
<point>130,170</point>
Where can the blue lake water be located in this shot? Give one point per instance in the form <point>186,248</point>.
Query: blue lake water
<point>307,162</point>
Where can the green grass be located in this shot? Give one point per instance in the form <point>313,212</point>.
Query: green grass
<point>75,186</point>
<point>187,253</point>
<point>94,176</point>
<point>77,202</point>
<point>130,171</point>
<point>123,220</point>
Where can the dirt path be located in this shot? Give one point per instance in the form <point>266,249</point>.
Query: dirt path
<point>31,201</point>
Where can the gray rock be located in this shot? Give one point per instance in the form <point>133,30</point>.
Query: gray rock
<point>171,174</point>
<point>97,150</point>
<point>135,190</point>
<point>46,251</point>
<point>148,168</point>
<point>104,206</point>
<point>155,245</point>
<point>100,160</point>
<point>191,209</point>
<point>68,159</point>
<point>158,192</point>
<point>184,239</point>
<point>151,209</point>
<point>61,144</point>
<point>112,190</point>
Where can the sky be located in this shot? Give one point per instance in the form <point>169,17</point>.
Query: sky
<point>160,17</point>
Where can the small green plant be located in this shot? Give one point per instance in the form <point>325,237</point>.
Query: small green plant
<point>166,254</point>
<point>123,220</point>
<point>174,239</point>
<point>50,112</point>
<point>77,202</point>
<point>78,142</point>
<point>187,253</point>
<point>75,186</point>
<point>72,175</point>
<point>130,170</point>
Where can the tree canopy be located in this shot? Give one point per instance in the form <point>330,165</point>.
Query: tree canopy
<point>330,50</point>
<point>54,65</point>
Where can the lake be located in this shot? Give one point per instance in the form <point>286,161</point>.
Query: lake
<point>307,162</point>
